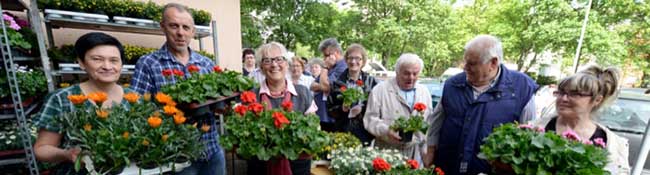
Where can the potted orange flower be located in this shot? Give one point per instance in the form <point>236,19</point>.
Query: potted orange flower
<point>407,126</point>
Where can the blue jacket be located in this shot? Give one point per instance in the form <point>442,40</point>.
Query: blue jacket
<point>468,121</point>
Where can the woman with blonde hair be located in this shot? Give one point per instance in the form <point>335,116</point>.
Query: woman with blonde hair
<point>579,99</point>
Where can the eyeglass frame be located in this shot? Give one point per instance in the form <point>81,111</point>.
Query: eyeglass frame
<point>571,95</point>
<point>268,61</point>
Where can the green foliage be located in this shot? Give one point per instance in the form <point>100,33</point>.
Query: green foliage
<point>255,135</point>
<point>133,53</point>
<point>31,83</point>
<point>201,87</point>
<point>533,152</point>
<point>127,8</point>
<point>65,53</point>
<point>16,39</point>
<point>411,124</point>
<point>338,140</point>
<point>352,95</point>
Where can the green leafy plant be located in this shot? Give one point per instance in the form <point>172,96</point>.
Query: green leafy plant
<point>353,94</point>
<point>371,160</point>
<point>201,87</point>
<point>338,140</point>
<point>530,150</point>
<point>64,54</point>
<point>256,132</point>
<point>30,82</point>
<point>413,123</point>
<point>147,132</point>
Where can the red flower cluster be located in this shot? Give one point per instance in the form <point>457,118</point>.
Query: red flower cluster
<point>240,109</point>
<point>413,164</point>
<point>419,107</point>
<point>217,69</point>
<point>256,108</point>
<point>248,97</point>
<point>279,120</point>
<point>343,88</point>
<point>167,72</point>
<point>178,73</point>
<point>380,164</point>
<point>360,82</point>
<point>439,171</point>
<point>287,106</point>
<point>193,68</point>
<point>170,72</point>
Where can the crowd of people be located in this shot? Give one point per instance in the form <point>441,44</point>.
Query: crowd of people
<point>475,101</point>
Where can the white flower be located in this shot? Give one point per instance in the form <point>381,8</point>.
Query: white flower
<point>13,137</point>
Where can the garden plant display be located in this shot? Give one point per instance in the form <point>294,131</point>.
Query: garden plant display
<point>531,150</point>
<point>353,94</point>
<point>150,131</point>
<point>338,140</point>
<point>16,31</point>
<point>65,53</point>
<point>407,126</point>
<point>370,160</point>
<point>254,131</point>
<point>201,87</point>
<point>30,82</point>
<point>126,8</point>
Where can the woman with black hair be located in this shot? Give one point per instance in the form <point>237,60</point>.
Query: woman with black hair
<point>101,56</point>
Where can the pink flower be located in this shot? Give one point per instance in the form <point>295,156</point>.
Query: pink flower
<point>12,22</point>
<point>540,129</point>
<point>600,142</point>
<point>571,135</point>
<point>525,126</point>
<point>587,142</point>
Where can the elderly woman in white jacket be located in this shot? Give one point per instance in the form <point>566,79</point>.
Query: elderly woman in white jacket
<point>578,99</point>
<point>395,98</point>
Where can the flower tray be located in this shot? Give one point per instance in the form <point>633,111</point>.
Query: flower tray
<point>11,153</point>
<point>133,169</point>
<point>136,21</point>
<point>7,107</point>
<point>50,13</point>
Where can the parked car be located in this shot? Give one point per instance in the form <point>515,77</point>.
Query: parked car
<point>435,88</point>
<point>628,117</point>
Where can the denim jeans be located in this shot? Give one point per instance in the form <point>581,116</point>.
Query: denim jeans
<point>215,165</point>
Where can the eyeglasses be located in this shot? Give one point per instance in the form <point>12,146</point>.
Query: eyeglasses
<point>572,95</point>
<point>278,60</point>
<point>354,58</point>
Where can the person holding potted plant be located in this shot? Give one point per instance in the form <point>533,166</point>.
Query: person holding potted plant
<point>578,100</point>
<point>178,26</point>
<point>349,117</point>
<point>100,56</point>
<point>275,90</point>
<point>397,98</point>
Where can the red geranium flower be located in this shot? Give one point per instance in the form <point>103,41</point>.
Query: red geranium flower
<point>359,82</point>
<point>178,72</point>
<point>167,72</point>
<point>380,164</point>
<point>439,171</point>
<point>279,120</point>
<point>343,88</point>
<point>287,105</point>
<point>419,107</point>
<point>256,107</point>
<point>241,109</point>
<point>248,97</point>
<point>217,69</point>
<point>193,68</point>
<point>413,164</point>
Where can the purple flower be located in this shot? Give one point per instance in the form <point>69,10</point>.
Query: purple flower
<point>571,135</point>
<point>540,129</point>
<point>600,142</point>
<point>22,23</point>
<point>525,126</point>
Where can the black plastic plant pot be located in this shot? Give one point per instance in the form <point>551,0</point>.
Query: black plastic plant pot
<point>406,136</point>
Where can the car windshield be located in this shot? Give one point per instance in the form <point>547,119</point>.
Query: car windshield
<point>626,114</point>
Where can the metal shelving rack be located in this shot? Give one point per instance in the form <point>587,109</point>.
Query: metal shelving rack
<point>9,66</point>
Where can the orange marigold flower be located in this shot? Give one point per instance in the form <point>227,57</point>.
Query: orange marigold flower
<point>88,127</point>
<point>179,119</point>
<point>145,142</point>
<point>248,97</point>
<point>154,121</point>
<point>205,128</point>
<point>170,110</point>
<point>163,98</point>
<point>102,114</point>
<point>98,97</point>
<point>131,97</point>
<point>125,135</point>
<point>165,137</point>
<point>419,107</point>
<point>146,96</point>
<point>77,99</point>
